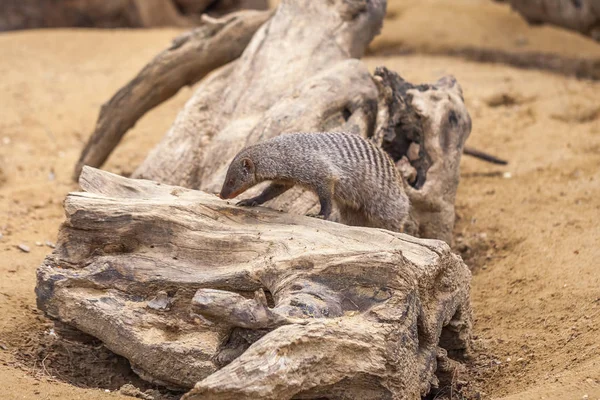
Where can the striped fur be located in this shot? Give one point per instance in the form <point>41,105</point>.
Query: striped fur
<point>361,179</point>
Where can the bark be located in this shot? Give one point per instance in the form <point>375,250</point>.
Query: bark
<point>251,303</point>
<point>190,57</point>
<point>582,16</point>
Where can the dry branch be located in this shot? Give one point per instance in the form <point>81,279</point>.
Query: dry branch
<point>191,56</point>
<point>181,283</point>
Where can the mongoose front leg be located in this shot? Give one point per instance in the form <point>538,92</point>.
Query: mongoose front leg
<point>272,191</point>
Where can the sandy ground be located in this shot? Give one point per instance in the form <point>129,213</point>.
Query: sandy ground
<point>530,230</point>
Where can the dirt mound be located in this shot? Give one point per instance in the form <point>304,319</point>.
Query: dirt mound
<point>86,365</point>
<point>46,352</point>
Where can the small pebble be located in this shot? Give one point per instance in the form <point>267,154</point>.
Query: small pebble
<point>51,176</point>
<point>24,248</point>
<point>508,359</point>
<point>50,244</point>
<point>521,41</point>
<point>6,140</point>
<point>585,397</point>
<point>106,391</point>
<point>507,175</point>
<point>39,244</point>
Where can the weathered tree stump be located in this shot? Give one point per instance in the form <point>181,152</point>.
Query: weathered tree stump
<point>245,303</point>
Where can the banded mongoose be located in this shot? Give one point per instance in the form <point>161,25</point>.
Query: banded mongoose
<point>341,168</point>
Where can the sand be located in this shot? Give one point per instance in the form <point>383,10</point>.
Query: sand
<point>530,230</point>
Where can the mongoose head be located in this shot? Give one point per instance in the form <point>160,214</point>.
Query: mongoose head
<point>240,177</point>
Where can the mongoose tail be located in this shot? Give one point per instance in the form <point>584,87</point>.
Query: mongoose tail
<point>483,156</point>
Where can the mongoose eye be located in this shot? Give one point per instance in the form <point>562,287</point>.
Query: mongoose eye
<point>230,182</point>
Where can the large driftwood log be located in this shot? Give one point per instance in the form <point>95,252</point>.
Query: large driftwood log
<point>582,16</point>
<point>251,303</point>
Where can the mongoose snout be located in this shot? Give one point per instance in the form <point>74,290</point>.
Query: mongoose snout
<point>240,177</point>
<point>341,168</point>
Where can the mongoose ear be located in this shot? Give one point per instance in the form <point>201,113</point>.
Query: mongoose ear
<point>248,164</point>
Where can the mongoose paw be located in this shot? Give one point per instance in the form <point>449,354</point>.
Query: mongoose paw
<point>318,216</point>
<point>247,203</point>
<point>226,356</point>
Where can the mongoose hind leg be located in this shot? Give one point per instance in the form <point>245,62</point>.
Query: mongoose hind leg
<point>273,190</point>
<point>325,193</point>
<point>351,216</point>
<point>390,213</point>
